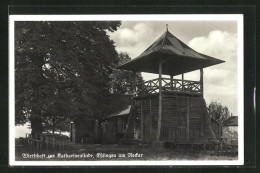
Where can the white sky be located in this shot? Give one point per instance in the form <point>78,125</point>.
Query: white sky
<point>214,38</point>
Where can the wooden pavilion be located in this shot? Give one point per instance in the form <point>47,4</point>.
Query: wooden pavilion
<point>171,110</point>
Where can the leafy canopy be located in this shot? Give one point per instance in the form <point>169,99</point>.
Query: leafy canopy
<point>218,111</point>
<point>122,81</point>
<point>62,70</point>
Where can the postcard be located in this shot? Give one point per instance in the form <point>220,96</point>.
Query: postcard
<point>126,90</point>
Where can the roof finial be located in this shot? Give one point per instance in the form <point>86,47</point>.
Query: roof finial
<point>166,27</point>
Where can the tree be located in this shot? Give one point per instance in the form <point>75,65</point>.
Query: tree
<point>61,71</point>
<point>218,111</point>
<point>122,81</point>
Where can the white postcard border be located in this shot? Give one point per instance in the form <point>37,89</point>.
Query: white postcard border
<point>157,17</point>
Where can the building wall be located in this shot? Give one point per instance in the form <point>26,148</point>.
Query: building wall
<point>109,131</point>
<point>86,131</point>
<point>114,129</point>
<point>230,135</point>
<point>174,117</point>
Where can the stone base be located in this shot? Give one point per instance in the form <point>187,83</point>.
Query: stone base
<point>158,145</point>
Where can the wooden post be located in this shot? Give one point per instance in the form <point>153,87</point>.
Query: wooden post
<point>160,103</point>
<point>182,84</point>
<point>142,120</point>
<point>171,82</point>
<point>188,119</point>
<point>134,92</point>
<point>134,87</point>
<point>71,131</point>
<point>203,106</point>
<point>150,119</point>
<point>201,81</point>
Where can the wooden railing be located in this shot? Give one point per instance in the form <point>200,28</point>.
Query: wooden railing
<point>152,86</point>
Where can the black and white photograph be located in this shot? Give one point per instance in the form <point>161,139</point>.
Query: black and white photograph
<point>141,90</point>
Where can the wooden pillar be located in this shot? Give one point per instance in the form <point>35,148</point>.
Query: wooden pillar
<point>203,107</point>
<point>142,120</point>
<point>134,87</point>
<point>188,119</point>
<point>160,103</point>
<point>182,84</point>
<point>201,81</point>
<point>72,132</point>
<point>134,93</point>
<point>150,120</point>
<point>171,82</point>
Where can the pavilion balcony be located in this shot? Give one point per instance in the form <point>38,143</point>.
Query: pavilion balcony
<point>168,85</point>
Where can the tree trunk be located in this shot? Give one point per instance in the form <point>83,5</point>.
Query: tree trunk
<point>36,125</point>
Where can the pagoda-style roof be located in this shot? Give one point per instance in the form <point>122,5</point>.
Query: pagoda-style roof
<point>177,56</point>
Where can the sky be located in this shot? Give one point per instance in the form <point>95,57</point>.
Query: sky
<point>214,38</point>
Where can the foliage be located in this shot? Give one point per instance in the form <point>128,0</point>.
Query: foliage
<point>122,81</point>
<point>218,111</point>
<point>62,70</point>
